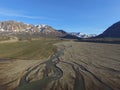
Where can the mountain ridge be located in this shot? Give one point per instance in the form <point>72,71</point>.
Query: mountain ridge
<point>113,31</point>
<point>14,26</point>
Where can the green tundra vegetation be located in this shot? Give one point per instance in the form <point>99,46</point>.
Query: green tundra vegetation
<point>28,49</point>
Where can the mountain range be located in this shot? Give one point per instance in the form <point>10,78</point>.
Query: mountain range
<point>14,26</point>
<point>17,27</point>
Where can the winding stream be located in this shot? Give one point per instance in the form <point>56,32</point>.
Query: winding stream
<point>40,84</point>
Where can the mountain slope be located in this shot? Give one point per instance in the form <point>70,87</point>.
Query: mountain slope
<point>17,27</point>
<point>39,30</point>
<point>112,32</point>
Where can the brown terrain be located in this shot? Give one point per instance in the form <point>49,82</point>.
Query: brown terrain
<point>75,66</point>
<point>17,27</point>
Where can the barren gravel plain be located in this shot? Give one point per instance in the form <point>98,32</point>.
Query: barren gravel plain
<point>75,66</point>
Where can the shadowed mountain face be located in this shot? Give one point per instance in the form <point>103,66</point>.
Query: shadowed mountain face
<point>113,31</point>
<point>69,36</point>
<point>62,31</point>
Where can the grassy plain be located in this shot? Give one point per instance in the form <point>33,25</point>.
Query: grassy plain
<point>28,49</point>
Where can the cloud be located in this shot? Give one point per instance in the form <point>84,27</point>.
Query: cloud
<point>21,14</point>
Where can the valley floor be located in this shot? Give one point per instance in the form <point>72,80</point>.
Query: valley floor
<point>76,66</point>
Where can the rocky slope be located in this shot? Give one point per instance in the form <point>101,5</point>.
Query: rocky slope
<point>13,26</point>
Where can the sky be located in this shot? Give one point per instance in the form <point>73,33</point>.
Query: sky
<point>86,16</point>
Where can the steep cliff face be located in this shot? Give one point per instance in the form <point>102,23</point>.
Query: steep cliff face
<point>112,31</point>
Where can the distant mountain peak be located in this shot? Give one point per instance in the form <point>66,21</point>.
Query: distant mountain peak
<point>82,35</point>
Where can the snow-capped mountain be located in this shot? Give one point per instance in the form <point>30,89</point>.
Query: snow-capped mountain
<point>82,35</point>
<point>14,26</point>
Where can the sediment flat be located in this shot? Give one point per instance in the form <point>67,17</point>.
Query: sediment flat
<point>81,66</point>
